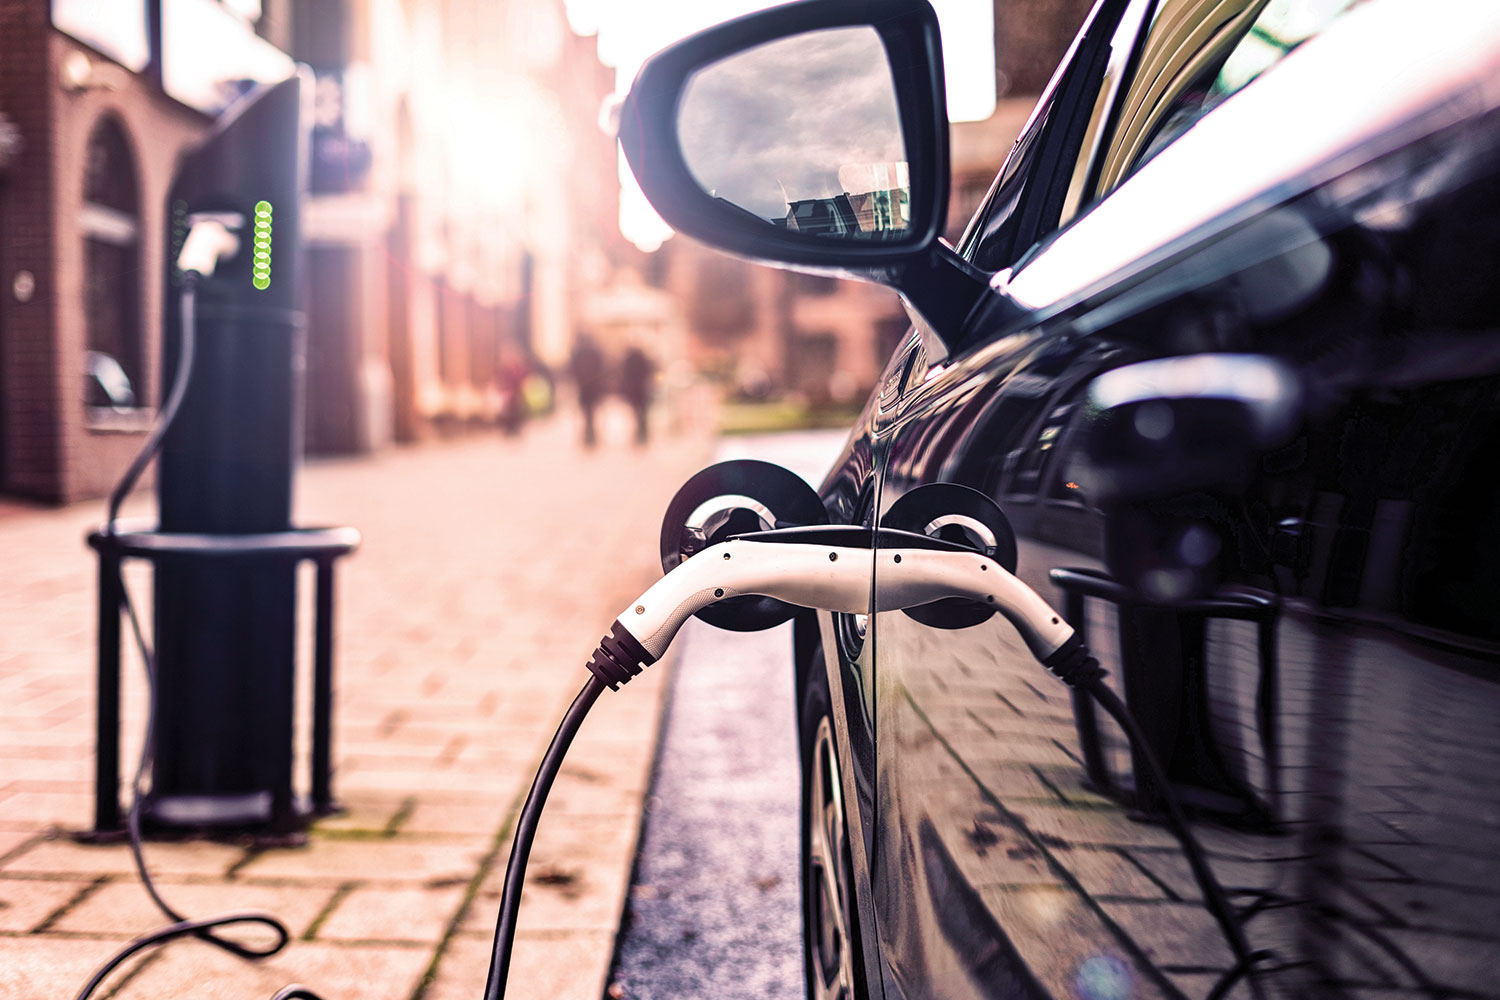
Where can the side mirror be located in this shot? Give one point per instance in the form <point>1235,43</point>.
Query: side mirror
<point>1159,429</point>
<point>813,134</point>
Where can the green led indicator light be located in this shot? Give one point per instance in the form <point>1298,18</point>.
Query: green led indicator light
<point>260,273</point>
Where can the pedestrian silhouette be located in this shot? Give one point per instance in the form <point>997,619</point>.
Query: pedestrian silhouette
<point>637,372</point>
<point>511,372</point>
<point>586,366</point>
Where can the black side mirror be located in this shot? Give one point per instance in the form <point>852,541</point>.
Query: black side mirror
<point>813,134</point>
<point>1159,429</point>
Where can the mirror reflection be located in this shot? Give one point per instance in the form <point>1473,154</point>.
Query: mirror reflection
<point>803,133</point>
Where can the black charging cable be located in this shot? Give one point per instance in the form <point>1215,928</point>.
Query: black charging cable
<point>181,926</point>
<point>520,848</point>
<point>168,414</point>
<point>1071,664</point>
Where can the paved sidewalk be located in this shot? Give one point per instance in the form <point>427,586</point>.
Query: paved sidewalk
<point>489,569</point>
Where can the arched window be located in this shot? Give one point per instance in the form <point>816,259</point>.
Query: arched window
<point>109,222</point>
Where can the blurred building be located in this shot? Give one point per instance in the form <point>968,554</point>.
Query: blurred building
<point>464,200</point>
<point>463,196</point>
<point>96,115</point>
<point>825,340</point>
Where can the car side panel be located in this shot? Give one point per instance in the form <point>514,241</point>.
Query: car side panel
<point>1339,753</point>
<point>849,496</point>
<point>981,889</point>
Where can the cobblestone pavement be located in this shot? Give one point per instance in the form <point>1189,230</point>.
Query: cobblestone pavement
<point>489,569</point>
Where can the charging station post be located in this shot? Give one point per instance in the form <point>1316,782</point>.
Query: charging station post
<point>226,633</point>
<point>225,551</point>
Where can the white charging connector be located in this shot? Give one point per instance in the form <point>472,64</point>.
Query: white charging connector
<point>830,568</point>
<point>827,567</point>
<point>210,239</point>
<point>828,577</point>
<point>837,578</point>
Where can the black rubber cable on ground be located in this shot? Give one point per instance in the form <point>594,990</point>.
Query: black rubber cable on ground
<point>520,848</point>
<point>171,932</point>
<point>202,929</point>
<point>181,926</point>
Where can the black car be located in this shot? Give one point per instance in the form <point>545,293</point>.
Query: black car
<point>1222,343</point>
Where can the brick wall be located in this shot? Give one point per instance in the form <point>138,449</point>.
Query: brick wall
<point>157,129</point>
<point>47,450</point>
<point>30,446</point>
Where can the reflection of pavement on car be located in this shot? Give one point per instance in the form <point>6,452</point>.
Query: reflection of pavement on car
<point>1095,901</point>
<point>714,907</point>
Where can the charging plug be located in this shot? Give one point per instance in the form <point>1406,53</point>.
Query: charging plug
<point>211,239</point>
<point>818,568</point>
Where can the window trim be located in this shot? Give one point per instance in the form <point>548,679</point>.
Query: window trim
<point>1084,185</point>
<point>1054,128</point>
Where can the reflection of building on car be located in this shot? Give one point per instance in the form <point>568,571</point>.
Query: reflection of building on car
<point>1221,341</point>
<point>867,213</point>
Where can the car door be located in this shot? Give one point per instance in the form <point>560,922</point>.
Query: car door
<point>849,494</point>
<point>975,420</point>
<point>1289,709</point>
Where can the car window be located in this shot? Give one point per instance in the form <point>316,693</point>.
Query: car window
<point>1026,201</point>
<point>1117,74</point>
<point>1196,54</point>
